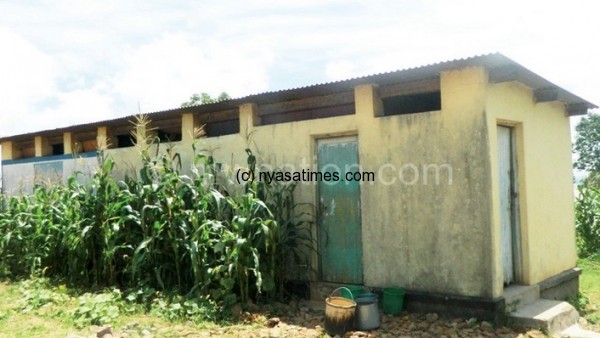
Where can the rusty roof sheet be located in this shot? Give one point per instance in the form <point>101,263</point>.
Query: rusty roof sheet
<point>504,68</point>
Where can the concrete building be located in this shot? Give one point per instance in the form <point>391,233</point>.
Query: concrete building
<point>471,161</point>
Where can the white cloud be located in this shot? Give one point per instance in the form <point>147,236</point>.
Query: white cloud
<point>76,107</point>
<point>105,57</point>
<point>27,77</point>
<point>340,70</point>
<point>165,72</point>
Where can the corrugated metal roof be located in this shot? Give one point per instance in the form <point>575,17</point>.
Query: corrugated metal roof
<point>494,62</point>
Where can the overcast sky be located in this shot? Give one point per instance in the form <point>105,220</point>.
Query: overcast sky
<point>70,62</point>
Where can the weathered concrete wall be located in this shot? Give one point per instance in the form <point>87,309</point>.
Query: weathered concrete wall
<point>418,234</point>
<point>19,178</point>
<point>545,180</point>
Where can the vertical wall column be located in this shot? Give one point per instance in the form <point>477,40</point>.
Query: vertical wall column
<point>10,151</point>
<point>69,143</point>
<point>188,126</point>
<point>368,103</point>
<point>103,138</point>
<point>249,117</point>
<point>42,148</point>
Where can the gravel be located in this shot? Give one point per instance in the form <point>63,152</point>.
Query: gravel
<point>295,320</point>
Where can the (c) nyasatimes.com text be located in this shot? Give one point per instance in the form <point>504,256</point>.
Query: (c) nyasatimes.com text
<point>306,175</point>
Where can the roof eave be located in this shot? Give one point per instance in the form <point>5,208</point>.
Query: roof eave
<point>500,67</point>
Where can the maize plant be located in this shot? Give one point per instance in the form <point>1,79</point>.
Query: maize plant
<point>160,229</point>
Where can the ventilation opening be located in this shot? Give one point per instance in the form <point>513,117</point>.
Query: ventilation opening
<point>220,128</point>
<point>413,103</point>
<point>28,151</point>
<point>58,149</point>
<point>125,140</point>
<point>168,136</point>
<point>308,108</point>
<point>165,130</point>
<point>308,114</point>
<point>85,141</point>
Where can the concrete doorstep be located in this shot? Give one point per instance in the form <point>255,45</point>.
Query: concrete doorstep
<point>576,331</point>
<point>557,318</point>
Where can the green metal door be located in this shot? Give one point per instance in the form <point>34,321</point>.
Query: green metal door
<point>340,243</point>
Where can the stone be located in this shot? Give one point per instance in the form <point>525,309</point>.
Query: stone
<point>431,317</point>
<point>423,325</point>
<point>107,330</point>
<point>272,322</point>
<point>486,326</point>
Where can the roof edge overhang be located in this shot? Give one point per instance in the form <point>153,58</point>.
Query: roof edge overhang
<point>500,69</point>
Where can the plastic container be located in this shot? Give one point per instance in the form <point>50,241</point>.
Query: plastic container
<point>351,291</point>
<point>393,301</point>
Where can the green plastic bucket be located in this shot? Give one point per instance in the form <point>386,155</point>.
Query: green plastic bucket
<point>393,301</point>
<point>351,291</point>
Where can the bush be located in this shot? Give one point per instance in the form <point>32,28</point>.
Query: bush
<point>587,214</point>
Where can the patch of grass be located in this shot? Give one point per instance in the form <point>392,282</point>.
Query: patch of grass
<point>15,323</point>
<point>37,307</point>
<point>589,284</point>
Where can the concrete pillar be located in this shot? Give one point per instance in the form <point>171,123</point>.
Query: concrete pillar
<point>10,151</point>
<point>249,117</point>
<point>188,124</point>
<point>104,139</point>
<point>367,101</point>
<point>42,148</point>
<point>69,143</point>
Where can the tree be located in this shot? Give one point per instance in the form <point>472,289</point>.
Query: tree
<point>587,144</point>
<point>205,98</point>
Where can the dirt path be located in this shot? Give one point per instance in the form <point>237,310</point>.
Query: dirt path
<point>303,321</point>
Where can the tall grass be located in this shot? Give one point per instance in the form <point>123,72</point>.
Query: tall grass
<point>161,229</point>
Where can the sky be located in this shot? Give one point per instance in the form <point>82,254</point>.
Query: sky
<point>70,62</point>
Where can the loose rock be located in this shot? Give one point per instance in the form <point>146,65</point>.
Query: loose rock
<point>272,322</point>
<point>486,326</point>
<point>431,317</point>
<point>104,331</point>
